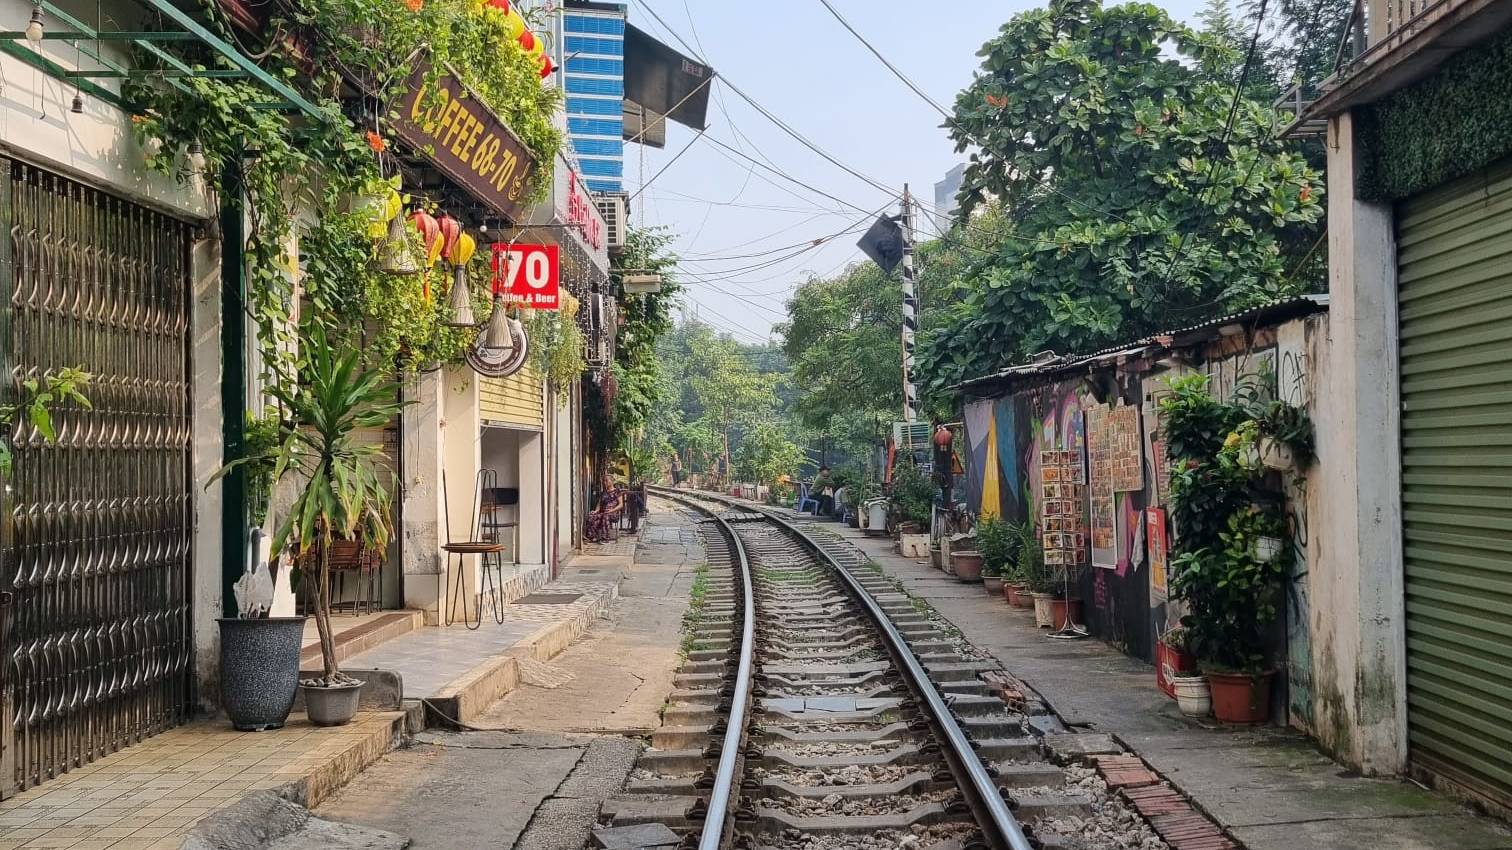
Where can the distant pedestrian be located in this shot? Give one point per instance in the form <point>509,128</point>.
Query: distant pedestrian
<point>677,470</point>
<point>824,491</point>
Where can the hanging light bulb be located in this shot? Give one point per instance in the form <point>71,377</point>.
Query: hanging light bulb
<point>196,157</point>
<point>78,104</point>
<point>34,26</point>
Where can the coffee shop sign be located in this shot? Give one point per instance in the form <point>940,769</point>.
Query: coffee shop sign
<point>582,212</point>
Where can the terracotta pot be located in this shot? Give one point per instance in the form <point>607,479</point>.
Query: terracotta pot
<point>1192,695</point>
<point>1044,609</point>
<point>1241,697</point>
<point>1059,610</point>
<point>1169,662</point>
<point>1018,595</point>
<point>992,584</point>
<point>967,566</point>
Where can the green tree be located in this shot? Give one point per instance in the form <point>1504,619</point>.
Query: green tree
<point>1130,204</point>
<point>728,389</point>
<point>766,454</point>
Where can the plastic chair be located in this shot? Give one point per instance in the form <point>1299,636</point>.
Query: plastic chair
<point>805,499</point>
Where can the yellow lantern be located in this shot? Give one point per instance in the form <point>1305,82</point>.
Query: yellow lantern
<point>463,250</point>
<point>514,25</point>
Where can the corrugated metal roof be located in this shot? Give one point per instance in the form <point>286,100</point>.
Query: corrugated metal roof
<point>1050,363</point>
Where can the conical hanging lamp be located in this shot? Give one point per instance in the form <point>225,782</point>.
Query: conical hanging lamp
<point>460,300</point>
<point>497,336</point>
<point>395,257</point>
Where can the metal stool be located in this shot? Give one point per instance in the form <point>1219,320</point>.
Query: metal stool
<point>491,553</point>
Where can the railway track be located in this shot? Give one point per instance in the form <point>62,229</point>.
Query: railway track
<point>819,708</point>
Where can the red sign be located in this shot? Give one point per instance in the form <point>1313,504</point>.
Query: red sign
<point>581,211</point>
<point>528,275</point>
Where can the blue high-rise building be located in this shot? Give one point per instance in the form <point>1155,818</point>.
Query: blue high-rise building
<point>589,46</point>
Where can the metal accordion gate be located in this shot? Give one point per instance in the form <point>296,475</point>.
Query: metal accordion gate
<point>96,559</point>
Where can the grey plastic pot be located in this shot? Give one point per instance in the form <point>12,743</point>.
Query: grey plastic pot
<point>332,706</point>
<point>260,670</point>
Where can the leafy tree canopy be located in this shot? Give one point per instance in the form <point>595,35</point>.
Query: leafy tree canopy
<point>1129,204</point>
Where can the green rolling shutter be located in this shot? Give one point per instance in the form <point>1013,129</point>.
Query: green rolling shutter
<point>1455,287</point>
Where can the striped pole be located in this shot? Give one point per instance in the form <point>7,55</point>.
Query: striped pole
<point>910,313</point>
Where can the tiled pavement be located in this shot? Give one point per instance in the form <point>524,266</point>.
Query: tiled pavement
<point>149,795</point>
<point>430,658</point>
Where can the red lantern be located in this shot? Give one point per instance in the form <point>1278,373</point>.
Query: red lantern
<point>501,5</point>
<point>450,230</point>
<point>943,438</point>
<point>547,66</point>
<point>527,41</point>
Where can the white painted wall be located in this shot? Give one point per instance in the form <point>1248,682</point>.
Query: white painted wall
<point>1357,602</point>
<point>95,146</point>
<point>209,446</point>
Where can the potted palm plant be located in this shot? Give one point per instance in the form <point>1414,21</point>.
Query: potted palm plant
<point>340,493</point>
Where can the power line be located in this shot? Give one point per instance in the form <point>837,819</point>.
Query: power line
<point>951,119</point>
<point>1228,129</point>
<point>663,169</point>
<point>805,141</point>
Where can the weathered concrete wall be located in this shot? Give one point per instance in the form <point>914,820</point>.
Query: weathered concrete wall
<point>1358,622</point>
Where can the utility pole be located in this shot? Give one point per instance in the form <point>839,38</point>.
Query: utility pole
<point>910,314</point>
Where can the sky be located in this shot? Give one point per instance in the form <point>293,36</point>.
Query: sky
<point>732,217</point>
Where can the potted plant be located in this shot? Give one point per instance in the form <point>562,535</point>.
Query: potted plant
<point>1190,689</point>
<point>1040,581</point>
<point>340,492</point>
<point>996,538</point>
<point>1233,597</point>
<point>912,499</point>
<point>1286,438</point>
<point>966,564</point>
<point>1065,608</point>
<point>1173,658</point>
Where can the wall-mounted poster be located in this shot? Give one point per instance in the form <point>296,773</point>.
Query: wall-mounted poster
<point>1102,519</point>
<point>1126,449</point>
<point>1159,547</point>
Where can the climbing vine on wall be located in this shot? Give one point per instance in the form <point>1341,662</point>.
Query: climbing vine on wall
<point>302,177</point>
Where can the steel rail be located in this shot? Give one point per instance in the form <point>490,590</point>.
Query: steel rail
<point>718,813</point>
<point>994,816</point>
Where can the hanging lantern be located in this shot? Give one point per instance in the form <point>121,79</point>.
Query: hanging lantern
<point>460,300</point>
<point>450,230</point>
<point>547,66</point>
<point>943,438</point>
<point>527,41</point>
<point>430,234</point>
<point>497,336</point>
<point>501,5</point>
<point>514,25</point>
<point>502,349</point>
<point>396,256</point>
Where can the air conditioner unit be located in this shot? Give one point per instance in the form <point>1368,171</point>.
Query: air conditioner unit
<point>616,213</point>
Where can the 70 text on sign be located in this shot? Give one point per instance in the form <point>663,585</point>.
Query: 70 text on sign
<point>528,275</point>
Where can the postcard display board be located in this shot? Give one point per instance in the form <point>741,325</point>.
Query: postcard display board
<point>1063,495</point>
